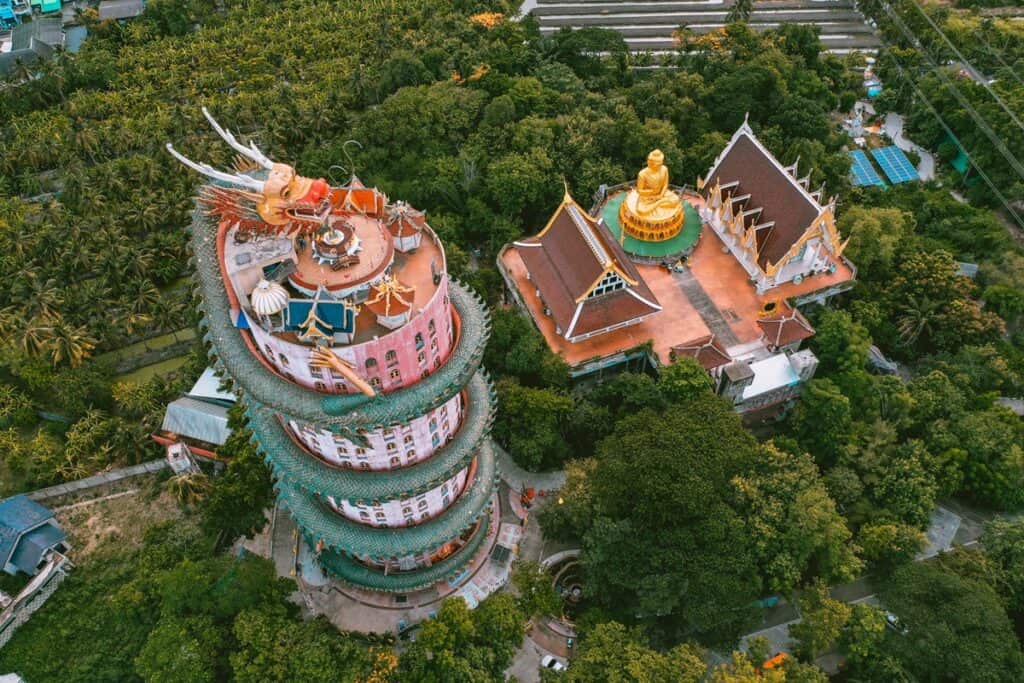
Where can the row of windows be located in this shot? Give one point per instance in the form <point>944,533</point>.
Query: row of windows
<point>390,358</point>
<point>609,283</point>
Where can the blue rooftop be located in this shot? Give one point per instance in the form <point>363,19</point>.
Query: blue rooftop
<point>32,545</point>
<point>18,514</point>
<point>337,315</point>
<point>895,164</point>
<point>861,170</point>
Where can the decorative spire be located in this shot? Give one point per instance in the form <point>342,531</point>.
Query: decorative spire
<point>390,297</point>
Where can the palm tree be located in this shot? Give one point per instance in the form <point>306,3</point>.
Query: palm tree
<point>70,344</point>
<point>916,318</point>
<point>189,488</point>
<point>36,335</point>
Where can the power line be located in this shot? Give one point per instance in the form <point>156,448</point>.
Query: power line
<point>960,56</point>
<point>995,139</point>
<point>984,176</point>
<point>979,32</point>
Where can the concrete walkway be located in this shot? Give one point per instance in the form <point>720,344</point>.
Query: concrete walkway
<point>893,127</point>
<point>96,480</point>
<point>706,308</point>
<point>517,478</point>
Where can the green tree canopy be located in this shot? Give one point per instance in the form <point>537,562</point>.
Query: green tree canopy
<point>668,477</point>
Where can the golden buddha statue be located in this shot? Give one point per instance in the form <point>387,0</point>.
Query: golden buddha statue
<point>652,211</point>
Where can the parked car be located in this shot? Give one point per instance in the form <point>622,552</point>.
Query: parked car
<point>553,663</point>
<point>893,622</point>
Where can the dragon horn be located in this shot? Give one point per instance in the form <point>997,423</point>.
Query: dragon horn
<point>251,151</point>
<point>236,179</point>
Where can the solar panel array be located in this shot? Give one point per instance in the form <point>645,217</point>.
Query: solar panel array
<point>862,171</point>
<point>895,164</point>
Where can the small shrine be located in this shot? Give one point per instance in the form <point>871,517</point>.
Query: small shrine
<point>336,247</point>
<point>391,302</point>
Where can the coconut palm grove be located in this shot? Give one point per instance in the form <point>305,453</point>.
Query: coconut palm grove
<point>478,340</point>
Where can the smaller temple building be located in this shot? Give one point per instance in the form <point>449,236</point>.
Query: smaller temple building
<point>724,291</point>
<point>197,422</point>
<point>29,534</point>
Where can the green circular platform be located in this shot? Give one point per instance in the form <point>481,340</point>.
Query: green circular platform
<point>680,244</point>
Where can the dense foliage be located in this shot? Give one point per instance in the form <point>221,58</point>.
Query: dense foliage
<point>730,517</point>
<point>478,122</point>
<point>167,611</point>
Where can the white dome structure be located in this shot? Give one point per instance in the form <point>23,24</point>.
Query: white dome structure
<point>268,298</point>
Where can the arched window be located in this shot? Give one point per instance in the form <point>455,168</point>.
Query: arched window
<point>283,359</point>
<point>407,438</point>
<point>419,341</point>
<point>431,327</point>
<point>422,505</point>
<point>395,374</point>
<point>410,454</point>
<point>391,357</point>
<point>433,424</point>
<point>392,446</point>
<point>371,363</point>
<point>395,460</point>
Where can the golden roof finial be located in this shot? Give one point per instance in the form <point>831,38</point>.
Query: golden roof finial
<point>389,290</point>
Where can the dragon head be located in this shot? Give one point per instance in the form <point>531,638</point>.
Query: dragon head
<point>283,201</point>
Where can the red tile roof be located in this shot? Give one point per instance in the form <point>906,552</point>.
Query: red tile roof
<point>706,350</point>
<point>780,197</point>
<point>403,220</point>
<point>786,328</point>
<point>567,259</point>
<point>390,297</point>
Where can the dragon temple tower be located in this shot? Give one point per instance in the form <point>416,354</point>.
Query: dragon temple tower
<point>358,359</point>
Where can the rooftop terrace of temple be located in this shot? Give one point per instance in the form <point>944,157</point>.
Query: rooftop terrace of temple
<point>711,295</point>
<point>417,270</point>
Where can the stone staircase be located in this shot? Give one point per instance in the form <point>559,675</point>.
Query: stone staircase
<point>647,25</point>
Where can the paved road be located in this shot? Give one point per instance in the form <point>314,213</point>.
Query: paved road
<point>952,524</point>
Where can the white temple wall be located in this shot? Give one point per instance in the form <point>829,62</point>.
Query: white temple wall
<point>398,359</point>
<point>408,511</point>
<point>389,447</point>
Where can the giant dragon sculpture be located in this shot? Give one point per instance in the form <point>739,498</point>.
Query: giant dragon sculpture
<point>282,202</point>
<point>286,202</point>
